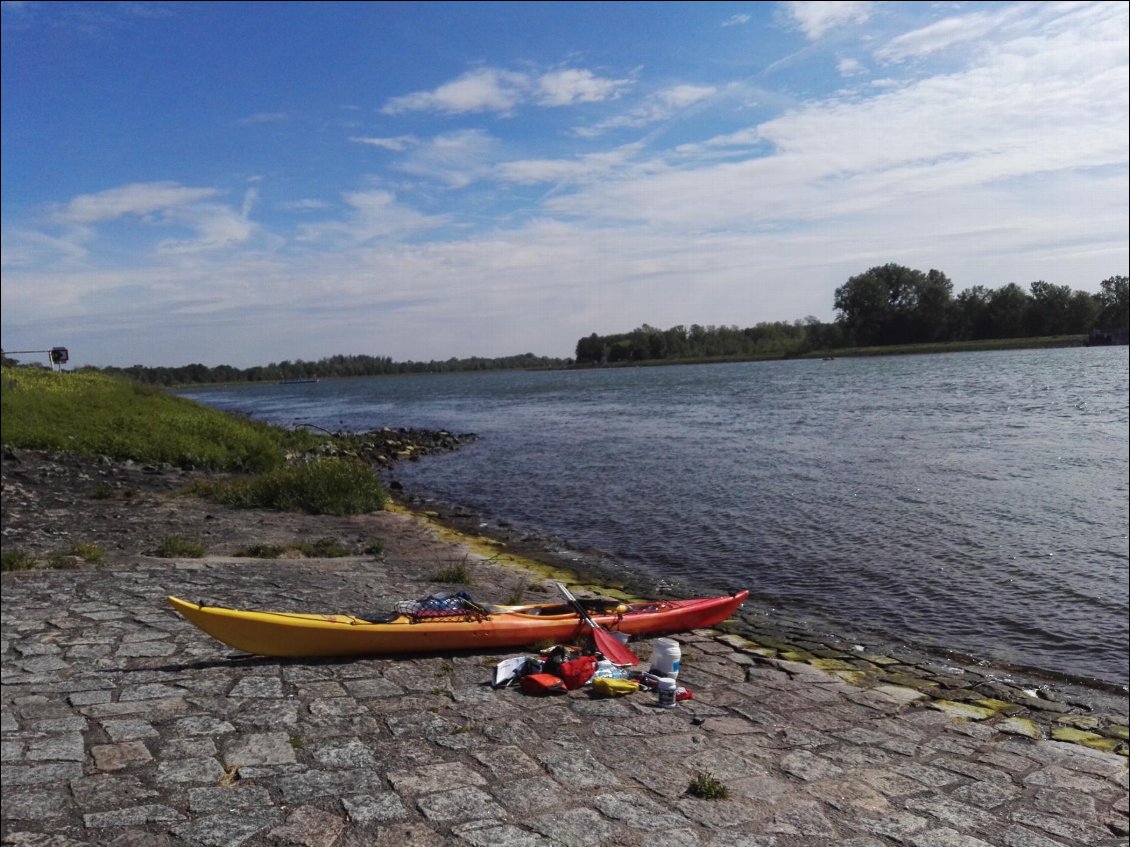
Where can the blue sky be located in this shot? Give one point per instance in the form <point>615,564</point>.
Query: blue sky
<point>232,183</point>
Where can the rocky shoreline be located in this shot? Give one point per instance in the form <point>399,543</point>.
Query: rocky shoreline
<point>51,501</point>
<point>123,725</point>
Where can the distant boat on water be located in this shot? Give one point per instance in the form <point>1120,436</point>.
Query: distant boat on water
<point>297,381</point>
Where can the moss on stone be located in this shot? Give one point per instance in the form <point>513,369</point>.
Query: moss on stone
<point>1020,726</point>
<point>963,710</point>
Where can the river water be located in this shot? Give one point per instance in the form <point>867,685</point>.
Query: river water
<point>976,502</point>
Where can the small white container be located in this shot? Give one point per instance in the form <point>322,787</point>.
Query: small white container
<point>666,693</point>
<point>666,656</point>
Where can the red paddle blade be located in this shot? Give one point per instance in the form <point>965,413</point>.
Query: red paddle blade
<point>612,648</point>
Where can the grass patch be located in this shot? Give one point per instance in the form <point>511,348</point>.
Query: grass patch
<point>17,560</point>
<point>457,574</point>
<point>175,547</point>
<point>706,787</point>
<point>260,551</point>
<point>98,415</point>
<point>375,548</point>
<point>95,414</point>
<point>319,487</point>
<point>323,548</point>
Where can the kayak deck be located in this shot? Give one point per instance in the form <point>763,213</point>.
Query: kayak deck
<point>296,634</point>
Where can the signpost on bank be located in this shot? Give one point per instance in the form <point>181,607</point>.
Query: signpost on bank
<point>57,356</point>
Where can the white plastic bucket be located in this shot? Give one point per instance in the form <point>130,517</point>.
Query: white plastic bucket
<point>666,657</point>
<point>666,693</point>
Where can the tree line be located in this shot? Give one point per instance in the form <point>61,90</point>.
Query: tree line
<point>887,305</point>
<point>332,367</point>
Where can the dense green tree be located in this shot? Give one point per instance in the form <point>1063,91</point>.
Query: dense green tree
<point>1114,302</point>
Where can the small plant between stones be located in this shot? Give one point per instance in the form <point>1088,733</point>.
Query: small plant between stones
<point>706,786</point>
<point>457,574</point>
<point>175,547</point>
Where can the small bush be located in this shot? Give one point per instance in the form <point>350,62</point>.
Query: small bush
<point>102,491</point>
<point>324,548</point>
<point>375,548</point>
<point>260,551</point>
<point>60,561</point>
<point>321,487</point>
<point>458,574</point>
<point>16,560</point>
<point>706,787</point>
<point>91,553</point>
<point>175,547</point>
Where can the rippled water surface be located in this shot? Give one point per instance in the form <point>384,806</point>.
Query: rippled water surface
<point>974,501</point>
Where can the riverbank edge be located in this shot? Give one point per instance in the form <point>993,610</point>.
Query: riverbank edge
<point>1017,701</point>
<point>971,692</point>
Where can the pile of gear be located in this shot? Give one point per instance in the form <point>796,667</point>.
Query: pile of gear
<point>565,668</point>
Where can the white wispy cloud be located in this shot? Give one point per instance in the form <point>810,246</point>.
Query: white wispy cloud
<point>579,169</point>
<point>498,90</point>
<point>817,17</point>
<point>137,199</point>
<point>573,85</point>
<point>397,144</point>
<point>482,90</point>
<point>737,20</point>
<point>371,214</point>
<point>456,158</point>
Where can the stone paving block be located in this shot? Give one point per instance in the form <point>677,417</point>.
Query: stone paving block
<point>344,753</point>
<point>508,762</point>
<point>67,747</point>
<point>134,816</point>
<point>305,786</point>
<point>186,748</point>
<point>102,791</point>
<point>460,804</point>
<point>807,766</point>
<point>266,714</point>
<point>951,811</point>
<point>257,686</point>
<point>33,804</point>
<point>268,748</point>
<point>214,799</point>
<point>534,794</point>
<point>116,757</point>
<point>635,810</point>
<point>365,809</point>
<point>578,769</point>
<point>895,824</point>
<point>206,770</point>
<point>723,814</point>
<point>804,819</point>
<point>437,777</point>
<point>1018,836</point>
<point>72,723</point>
<point>987,794</point>
<point>1068,804</point>
<point>230,829</point>
<point>1083,831</point>
<point>129,729</point>
<point>575,827</point>
<point>492,834</point>
<point>722,764</point>
<point>946,838</point>
<point>309,826</point>
<point>363,689</point>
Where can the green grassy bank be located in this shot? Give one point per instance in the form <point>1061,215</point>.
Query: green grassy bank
<point>260,466</point>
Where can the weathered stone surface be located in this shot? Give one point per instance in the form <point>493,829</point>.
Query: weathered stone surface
<point>121,725</point>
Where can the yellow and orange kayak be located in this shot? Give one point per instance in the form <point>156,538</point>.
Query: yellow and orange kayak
<point>289,634</point>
